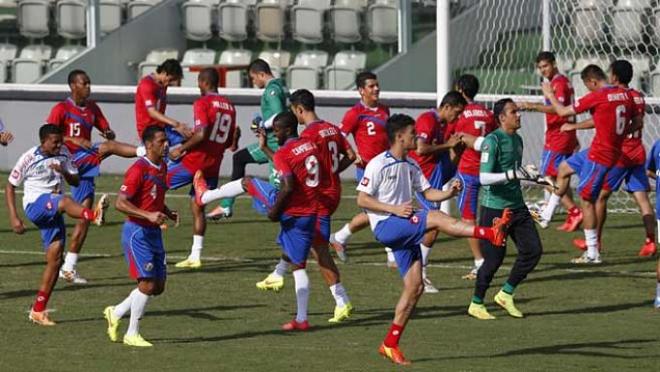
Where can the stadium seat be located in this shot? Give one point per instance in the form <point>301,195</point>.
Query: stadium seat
<point>360,4</point>
<point>8,18</point>
<point>588,18</point>
<point>197,20</point>
<point>7,54</point>
<point>232,21</point>
<point>195,57</point>
<point>270,21</point>
<point>278,60</point>
<point>318,4</point>
<point>307,22</point>
<point>341,74</point>
<point>305,71</point>
<point>63,54</point>
<point>33,16</point>
<point>235,57</point>
<point>345,23</point>
<point>627,21</point>
<point>28,67</point>
<point>110,12</point>
<point>382,22</point>
<point>137,7</point>
<point>155,58</point>
<point>70,16</point>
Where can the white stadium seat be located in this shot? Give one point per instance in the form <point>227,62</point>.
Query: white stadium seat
<point>627,21</point>
<point>232,21</point>
<point>382,23</point>
<point>33,16</point>
<point>63,54</point>
<point>278,60</point>
<point>345,24</point>
<point>318,4</point>
<point>307,22</point>
<point>195,57</point>
<point>588,19</point>
<point>197,20</point>
<point>7,54</point>
<point>235,57</point>
<point>155,58</point>
<point>270,22</point>
<point>137,7</point>
<point>110,12</point>
<point>341,74</point>
<point>70,16</point>
<point>28,67</point>
<point>305,71</point>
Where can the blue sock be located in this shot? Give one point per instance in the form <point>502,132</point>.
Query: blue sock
<point>508,288</point>
<point>477,300</point>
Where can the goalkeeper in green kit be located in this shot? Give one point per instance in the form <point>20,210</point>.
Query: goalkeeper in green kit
<point>273,102</point>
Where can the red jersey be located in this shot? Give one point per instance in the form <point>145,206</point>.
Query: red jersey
<point>144,185</point>
<point>367,125</point>
<point>478,121</point>
<point>430,129</point>
<point>148,94</point>
<point>331,144</point>
<point>555,139</point>
<point>300,158</point>
<point>217,112</point>
<point>611,109</point>
<point>76,121</point>
<point>633,148</point>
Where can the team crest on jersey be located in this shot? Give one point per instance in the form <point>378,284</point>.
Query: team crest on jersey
<point>148,266</point>
<point>49,205</point>
<point>365,181</point>
<point>15,174</point>
<point>414,220</point>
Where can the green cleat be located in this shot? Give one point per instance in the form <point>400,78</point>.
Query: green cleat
<point>136,341</point>
<point>506,301</point>
<point>479,311</point>
<point>271,283</point>
<point>341,313</point>
<point>189,264</point>
<point>113,322</point>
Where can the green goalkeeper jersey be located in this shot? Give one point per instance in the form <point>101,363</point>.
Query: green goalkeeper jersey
<point>501,152</point>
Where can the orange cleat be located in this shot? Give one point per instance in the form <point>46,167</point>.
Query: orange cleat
<point>648,249</point>
<point>295,326</point>
<point>581,244</point>
<point>394,354</point>
<point>499,228</point>
<point>200,186</point>
<point>41,318</point>
<point>572,223</point>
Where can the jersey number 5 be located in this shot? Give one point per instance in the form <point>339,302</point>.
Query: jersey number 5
<point>312,166</point>
<point>221,127</point>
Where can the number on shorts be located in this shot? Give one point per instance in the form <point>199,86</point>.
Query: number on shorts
<point>221,127</point>
<point>334,153</point>
<point>620,119</point>
<point>312,166</point>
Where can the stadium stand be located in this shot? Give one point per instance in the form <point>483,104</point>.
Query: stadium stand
<point>63,54</point>
<point>70,16</point>
<point>278,60</point>
<point>137,7</point>
<point>111,15</point>
<point>235,57</point>
<point>155,58</point>
<point>195,57</point>
<point>28,67</point>
<point>306,69</point>
<point>198,20</point>
<point>232,21</point>
<point>345,66</point>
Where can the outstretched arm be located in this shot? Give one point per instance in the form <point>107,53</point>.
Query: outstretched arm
<point>560,109</point>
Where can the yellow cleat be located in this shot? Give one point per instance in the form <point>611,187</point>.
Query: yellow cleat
<point>479,311</point>
<point>271,283</point>
<point>189,264</point>
<point>342,313</point>
<point>506,301</point>
<point>113,322</point>
<point>136,341</point>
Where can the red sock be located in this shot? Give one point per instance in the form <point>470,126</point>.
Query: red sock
<point>574,211</point>
<point>41,301</point>
<point>88,214</point>
<point>393,336</point>
<point>481,232</point>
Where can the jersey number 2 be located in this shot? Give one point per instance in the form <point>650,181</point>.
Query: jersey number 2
<point>220,131</point>
<point>371,128</point>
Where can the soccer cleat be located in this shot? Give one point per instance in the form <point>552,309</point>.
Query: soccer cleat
<point>341,313</point>
<point>479,311</point>
<point>295,326</point>
<point>340,249</point>
<point>99,211</point>
<point>656,304</point>
<point>506,301</point>
<point>189,264</point>
<point>536,216</point>
<point>200,186</point>
<point>113,322</point>
<point>586,260</point>
<point>41,318</point>
<point>648,249</point>
<point>472,275</point>
<point>394,354</point>
<point>573,221</point>
<point>72,277</point>
<point>219,213</point>
<point>136,341</point>
<point>429,287</point>
<point>581,244</point>
<point>499,228</point>
<point>271,283</point>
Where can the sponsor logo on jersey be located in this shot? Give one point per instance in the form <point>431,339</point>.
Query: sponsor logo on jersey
<point>414,220</point>
<point>148,266</point>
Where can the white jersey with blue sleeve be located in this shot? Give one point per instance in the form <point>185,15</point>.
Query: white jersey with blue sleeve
<point>33,171</point>
<point>391,181</point>
<point>653,165</point>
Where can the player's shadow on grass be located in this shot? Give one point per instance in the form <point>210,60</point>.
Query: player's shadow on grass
<point>593,309</point>
<point>24,264</point>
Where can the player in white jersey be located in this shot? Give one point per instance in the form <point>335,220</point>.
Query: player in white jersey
<point>42,170</point>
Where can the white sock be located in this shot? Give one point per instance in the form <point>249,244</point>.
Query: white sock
<point>343,235</point>
<point>657,290</point>
<point>124,306</point>
<point>70,261</point>
<point>137,309</point>
<point>591,237</point>
<point>339,293</point>
<point>478,263</point>
<point>228,190</point>
<point>549,209</point>
<point>197,246</point>
<point>281,268</point>
<point>302,294</point>
<point>390,255</point>
<point>425,254</point>
<point>546,195</point>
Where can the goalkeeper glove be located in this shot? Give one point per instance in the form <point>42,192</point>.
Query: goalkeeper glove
<point>256,123</point>
<point>529,173</point>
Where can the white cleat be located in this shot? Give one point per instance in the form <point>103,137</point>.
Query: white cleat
<point>657,303</point>
<point>72,277</point>
<point>536,216</point>
<point>429,287</point>
<point>472,275</point>
<point>586,260</point>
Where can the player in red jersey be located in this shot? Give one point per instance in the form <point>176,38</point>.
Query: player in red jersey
<point>215,124</point>
<point>611,109</point>
<point>366,122</point>
<point>77,116</point>
<point>151,101</point>
<point>629,167</point>
<point>142,198</point>
<point>559,145</point>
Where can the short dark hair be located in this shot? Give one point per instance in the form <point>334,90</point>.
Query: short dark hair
<point>468,84</point>
<point>362,77</point>
<point>499,106</point>
<point>287,119</point>
<point>546,56</point>
<point>48,129</point>
<point>170,67</point>
<point>396,123</point>
<point>593,72</point>
<point>623,70</point>
<point>73,74</point>
<point>150,132</point>
<point>259,65</point>
<point>453,99</point>
<point>304,98</point>
<point>210,75</point>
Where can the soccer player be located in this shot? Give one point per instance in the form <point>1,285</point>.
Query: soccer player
<point>142,198</point>
<point>386,192</point>
<point>559,145</point>
<point>42,170</point>
<point>273,101</point>
<point>653,170</point>
<point>215,125</point>
<point>365,121</point>
<point>500,173</point>
<point>77,116</point>
<point>629,167</point>
<point>611,109</point>
<point>431,154</point>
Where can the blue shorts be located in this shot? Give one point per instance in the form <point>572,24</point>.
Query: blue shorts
<point>173,137</point>
<point>550,161</point>
<point>43,213</point>
<point>263,195</point>
<point>359,173</point>
<point>84,190</point>
<point>635,177</point>
<point>403,234</point>
<point>468,199</point>
<point>88,161</point>
<point>322,231</point>
<point>592,175</point>
<point>144,251</point>
<point>179,176</point>
<point>442,173</point>
<point>296,236</point>
<point>447,168</point>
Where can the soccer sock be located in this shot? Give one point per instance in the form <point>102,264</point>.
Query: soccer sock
<point>228,190</point>
<point>196,251</point>
<point>481,232</point>
<point>343,235</point>
<point>302,294</point>
<point>546,195</point>
<point>477,300</point>
<point>41,301</point>
<point>390,255</point>
<point>281,268</point>
<point>425,254</point>
<point>549,209</point>
<point>138,304</point>
<point>478,263</point>
<point>340,295</point>
<point>87,214</point>
<point>508,288</point>
<point>393,335</point>
<point>123,307</point>
<point>70,261</point>
<point>591,237</point>
<point>657,290</point>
